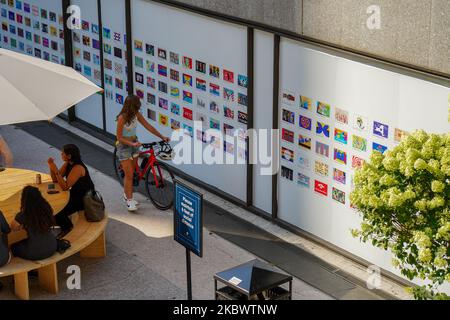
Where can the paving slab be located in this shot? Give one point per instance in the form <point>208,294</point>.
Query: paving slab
<point>143,261</point>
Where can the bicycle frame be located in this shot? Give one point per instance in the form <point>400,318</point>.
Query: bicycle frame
<point>150,165</point>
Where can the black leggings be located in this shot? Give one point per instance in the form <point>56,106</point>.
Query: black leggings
<point>35,250</point>
<point>62,218</point>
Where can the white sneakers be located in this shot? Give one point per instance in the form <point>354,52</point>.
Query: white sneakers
<point>125,199</point>
<point>131,204</point>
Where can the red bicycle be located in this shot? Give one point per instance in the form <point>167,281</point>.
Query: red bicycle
<point>159,179</point>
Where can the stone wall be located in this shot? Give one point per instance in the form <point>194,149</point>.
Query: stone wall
<point>415,32</point>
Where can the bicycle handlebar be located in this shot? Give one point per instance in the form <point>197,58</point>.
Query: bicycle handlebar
<point>149,145</point>
<point>154,144</point>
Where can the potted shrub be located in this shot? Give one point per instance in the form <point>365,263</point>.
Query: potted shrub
<point>403,198</point>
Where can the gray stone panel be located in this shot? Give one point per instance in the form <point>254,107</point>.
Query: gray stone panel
<point>416,32</point>
<point>440,36</point>
<point>404,34</point>
<point>283,14</point>
<point>413,33</point>
<point>356,34</point>
<point>322,19</point>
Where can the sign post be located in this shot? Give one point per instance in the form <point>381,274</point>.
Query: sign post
<point>188,225</point>
<point>188,274</point>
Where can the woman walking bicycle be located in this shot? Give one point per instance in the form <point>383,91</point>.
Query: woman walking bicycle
<point>128,145</point>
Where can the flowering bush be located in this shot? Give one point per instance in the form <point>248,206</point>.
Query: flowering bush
<point>404,199</point>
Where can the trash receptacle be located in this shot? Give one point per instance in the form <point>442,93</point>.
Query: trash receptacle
<point>254,280</point>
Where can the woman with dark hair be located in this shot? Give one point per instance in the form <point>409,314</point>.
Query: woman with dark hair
<point>36,217</point>
<point>128,144</point>
<point>5,255</point>
<point>5,153</point>
<point>73,176</point>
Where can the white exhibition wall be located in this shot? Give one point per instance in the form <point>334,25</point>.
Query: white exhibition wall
<point>322,143</point>
<point>263,115</point>
<point>174,93</point>
<point>34,28</point>
<point>114,40</point>
<point>363,108</point>
<point>86,55</point>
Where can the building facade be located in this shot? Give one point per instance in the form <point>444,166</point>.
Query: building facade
<point>333,86</point>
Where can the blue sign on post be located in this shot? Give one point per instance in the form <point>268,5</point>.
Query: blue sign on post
<point>188,220</point>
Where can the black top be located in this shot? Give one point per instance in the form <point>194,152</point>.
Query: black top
<point>83,185</point>
<point>4,230</point>
<point>39,245</point>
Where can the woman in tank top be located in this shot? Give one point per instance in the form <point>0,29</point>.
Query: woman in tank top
<point>128,144</point>
<point>73,176</point>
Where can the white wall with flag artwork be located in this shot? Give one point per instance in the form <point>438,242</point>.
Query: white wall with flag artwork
<point>196,70</point>
<point>187,67</point>
<point>33,27</point>
<point>86,56</point>
<point>333,114</point>
<point>114,55</point>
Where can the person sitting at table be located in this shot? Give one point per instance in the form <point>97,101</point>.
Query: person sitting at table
<point>36,217</point>
<point>5,254</point>
<point>73,176</point>
<point>5,153</point>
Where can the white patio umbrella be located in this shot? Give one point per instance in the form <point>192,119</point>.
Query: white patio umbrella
<point>32,89</point>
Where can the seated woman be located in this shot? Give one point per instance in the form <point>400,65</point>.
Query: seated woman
<point>5,153</point>
<point>5,255</point>
<point>73,176</point>
<point>36,217</point>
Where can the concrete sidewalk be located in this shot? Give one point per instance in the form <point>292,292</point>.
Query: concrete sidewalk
<point>143,262</point>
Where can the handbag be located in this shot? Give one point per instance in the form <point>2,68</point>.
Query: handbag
<point>94,207</point>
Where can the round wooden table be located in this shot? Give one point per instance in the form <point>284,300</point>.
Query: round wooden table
<point>12,182</point>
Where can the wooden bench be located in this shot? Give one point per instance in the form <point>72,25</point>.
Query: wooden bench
<point>88,238</point>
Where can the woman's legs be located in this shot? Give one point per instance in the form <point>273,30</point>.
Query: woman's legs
<point>9,260</point>
<point>37,250</point>
<point>62,218</point>
<point>129,167</point>
<point>19,249</point>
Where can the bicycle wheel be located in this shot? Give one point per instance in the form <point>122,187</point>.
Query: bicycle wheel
<point>118,167</point>
<point>161,196</point>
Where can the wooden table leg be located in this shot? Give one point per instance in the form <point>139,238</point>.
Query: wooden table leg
<point>21,287</point>
<point>48,278</point>
<point>96,249</point>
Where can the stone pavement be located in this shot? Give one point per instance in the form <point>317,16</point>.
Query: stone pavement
<point>316,264</point>
<point>143,261</point>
